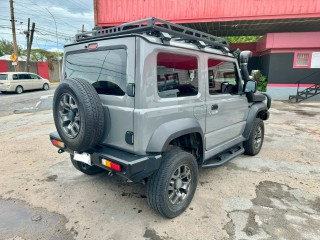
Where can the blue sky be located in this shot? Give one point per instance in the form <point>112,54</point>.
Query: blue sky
<point>69,15</point>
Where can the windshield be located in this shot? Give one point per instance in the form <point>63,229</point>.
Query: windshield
<point>3,77</point>
<point>105,70</point>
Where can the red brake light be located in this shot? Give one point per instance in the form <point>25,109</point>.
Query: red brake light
<point>109,164</point>
<point>115,167</point>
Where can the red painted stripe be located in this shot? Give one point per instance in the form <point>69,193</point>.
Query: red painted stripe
<point>289,85</point>
<point>3,66</point>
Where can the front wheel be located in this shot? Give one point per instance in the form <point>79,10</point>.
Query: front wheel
<point>171,189</point>
<point>254,143</point>
<point>85,168</point>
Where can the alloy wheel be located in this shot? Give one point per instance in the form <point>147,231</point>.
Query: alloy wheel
<point>69,115</point>
<point>258,137</point>
<point>179,184</point>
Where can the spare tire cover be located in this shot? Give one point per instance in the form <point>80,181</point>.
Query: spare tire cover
<point>78,114</point>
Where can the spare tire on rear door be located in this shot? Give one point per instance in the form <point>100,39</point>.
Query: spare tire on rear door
<point>78,114</point>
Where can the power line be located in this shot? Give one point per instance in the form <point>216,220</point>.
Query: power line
<point>65,23</point>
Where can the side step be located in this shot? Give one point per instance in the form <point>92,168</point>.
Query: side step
<point>224,157</point>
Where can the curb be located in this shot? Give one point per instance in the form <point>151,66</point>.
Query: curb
<point>45,103</point>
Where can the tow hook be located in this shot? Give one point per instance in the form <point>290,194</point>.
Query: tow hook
<point>60,151</point>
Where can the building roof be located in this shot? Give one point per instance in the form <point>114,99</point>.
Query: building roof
<point>7,58</point>
<point>216,17</point>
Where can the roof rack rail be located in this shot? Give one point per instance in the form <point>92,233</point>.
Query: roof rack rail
<point>157,27</point>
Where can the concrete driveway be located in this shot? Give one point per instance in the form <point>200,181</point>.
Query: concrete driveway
<point>275,195</point>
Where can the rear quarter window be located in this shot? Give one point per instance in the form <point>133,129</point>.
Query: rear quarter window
<point>3,77</point>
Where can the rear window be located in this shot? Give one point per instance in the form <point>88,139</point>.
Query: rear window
<point>3,77</point>
<point>105,70</point>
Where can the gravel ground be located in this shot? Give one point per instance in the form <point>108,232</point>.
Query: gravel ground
<point>274,195</point>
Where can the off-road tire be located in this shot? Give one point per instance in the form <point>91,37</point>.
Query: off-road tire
<point>158,183</point>
<point>89,110</point>
<point>250,146</point>
<point>19,89</point>
<point>85,168</point>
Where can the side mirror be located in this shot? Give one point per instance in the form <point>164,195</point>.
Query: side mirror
<point>250,86</point>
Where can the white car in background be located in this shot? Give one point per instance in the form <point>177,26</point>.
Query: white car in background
<point>22,81</point>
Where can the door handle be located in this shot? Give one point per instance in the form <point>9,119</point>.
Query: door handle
<point>214,107</point>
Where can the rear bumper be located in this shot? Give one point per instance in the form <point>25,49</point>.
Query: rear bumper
<point>133,167</point>
<point>5,88</point>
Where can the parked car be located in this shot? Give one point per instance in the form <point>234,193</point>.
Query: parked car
<point>21,81</point>
<point>155,103</point>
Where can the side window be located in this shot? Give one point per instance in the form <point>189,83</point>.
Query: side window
<point>27,76</point>
<point>15,77</point>
<point>33,76</point>
<point>177,75</point>
<point>22,76</point>
<point>223,77</point>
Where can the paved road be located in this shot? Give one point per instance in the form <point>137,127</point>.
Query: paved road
<point>11,101</point>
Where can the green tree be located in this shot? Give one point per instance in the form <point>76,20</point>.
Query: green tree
<point>41,55</point>
<point>242,39</point>
<point>6,47</point>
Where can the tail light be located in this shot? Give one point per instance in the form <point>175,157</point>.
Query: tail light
<point>112,165</point>
<point>58,143</point>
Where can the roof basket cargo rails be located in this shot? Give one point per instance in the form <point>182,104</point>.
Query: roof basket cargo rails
<point>160,28</point>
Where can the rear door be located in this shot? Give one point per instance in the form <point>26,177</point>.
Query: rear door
<point>23,80</point>
<point>109,65</point>
<point>227,107</point>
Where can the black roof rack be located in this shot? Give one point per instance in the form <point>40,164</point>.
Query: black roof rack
<point>160,28</point>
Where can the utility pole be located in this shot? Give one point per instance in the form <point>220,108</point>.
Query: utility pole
<point>29,43</point>
<point>14,38</point>
<point>31,35</point>
<point>28,47</point>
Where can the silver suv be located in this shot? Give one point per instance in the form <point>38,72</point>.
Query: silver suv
<point>154,101</point>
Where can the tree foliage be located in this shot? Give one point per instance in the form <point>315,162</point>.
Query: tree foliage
<point>41,55</point>
<point>36,55</point>
<point>242,39</point>
<point>6,47</point>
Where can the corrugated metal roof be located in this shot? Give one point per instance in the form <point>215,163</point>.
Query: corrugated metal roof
<point>258,27</point>
<point>115,12</point>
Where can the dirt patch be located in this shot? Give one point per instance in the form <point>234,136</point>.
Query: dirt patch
<point>153,235</point>
<point>51,178</point>
<point>20,220</point>
<point>306,113</point>
<point>278,212</point>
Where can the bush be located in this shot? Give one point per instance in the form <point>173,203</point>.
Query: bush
<point>260,79</point>
<point>262,83</point>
